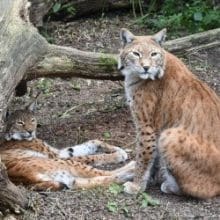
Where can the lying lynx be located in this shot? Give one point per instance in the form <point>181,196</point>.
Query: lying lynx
<point>34,163</point>
<point>177,119</point>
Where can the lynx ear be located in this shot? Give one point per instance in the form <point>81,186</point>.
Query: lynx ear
<point>32,107</point>
<point>160,36</point>
<point>126,36</point>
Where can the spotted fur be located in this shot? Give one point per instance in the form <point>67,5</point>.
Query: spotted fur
<point>177,119</point>
<point>34,163</point>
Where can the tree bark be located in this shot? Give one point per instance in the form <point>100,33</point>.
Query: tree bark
<point>40,8</point>
<point>26,55</point>
<point>11,197</point>
<point>21,46</point>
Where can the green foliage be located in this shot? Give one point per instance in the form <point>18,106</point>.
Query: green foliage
<point>177,15</point>
<point>66,8</point>
<point>44,85</point>
<point>115,189</point>
<point>112,206</point>
<point>106,134</point>
<point>143,200</point>
<point>146,200</point>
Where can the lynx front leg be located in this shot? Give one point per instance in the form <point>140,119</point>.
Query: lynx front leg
<point>194,163</point>
<point>146,146</point>
<point>145,157</point>
<point>85,153</point>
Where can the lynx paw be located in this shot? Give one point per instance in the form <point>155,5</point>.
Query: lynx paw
<point>131,188</point>
<point>122,155</point>
<point>170,188</point>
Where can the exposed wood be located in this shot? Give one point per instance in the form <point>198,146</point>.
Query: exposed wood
<point>65,62</point>
<point>20,46</point>
<point>39,8</point>
<point>184,44</point>
<point>69,62</point>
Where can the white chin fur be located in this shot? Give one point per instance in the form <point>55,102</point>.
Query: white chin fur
<point>153,73</point>
<point>18,137</point>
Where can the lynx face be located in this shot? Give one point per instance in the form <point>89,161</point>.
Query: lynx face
<point>21,125</point>
<point>142,57</point>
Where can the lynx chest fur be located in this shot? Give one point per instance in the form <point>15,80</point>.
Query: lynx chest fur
<point>177,119</point>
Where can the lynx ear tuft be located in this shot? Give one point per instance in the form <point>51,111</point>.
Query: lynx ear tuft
<point>160,36</point>
<point>126,36</point>
<point>32,106</point>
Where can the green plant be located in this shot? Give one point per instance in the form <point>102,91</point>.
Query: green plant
<point>146,200</point>
<point>177,15</point>
<point>67,8</point>
<point>106,134</point>
<point>115,189</point>
<point>44,85</point>
<point>112,206</point>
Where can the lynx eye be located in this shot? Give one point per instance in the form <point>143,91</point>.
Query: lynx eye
<point>154,54</point>
<point>33,120</point>
<point>20,123</point>
<point>136,54</point>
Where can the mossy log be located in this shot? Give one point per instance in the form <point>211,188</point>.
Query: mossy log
<point>26,55</point>
<point>63,62</point>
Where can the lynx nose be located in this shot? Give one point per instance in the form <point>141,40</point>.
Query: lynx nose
<point>29,132</point>
<point>146,68</point>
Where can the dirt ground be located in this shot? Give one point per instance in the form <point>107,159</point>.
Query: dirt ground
<point>75,110</point>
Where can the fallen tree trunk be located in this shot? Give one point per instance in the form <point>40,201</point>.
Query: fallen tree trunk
<point>69,62</point>
<point>40,8</point>
<point>26,55</point>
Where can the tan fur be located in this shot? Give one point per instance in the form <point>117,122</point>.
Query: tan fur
<point>177,119</point>
<point>34,163</point>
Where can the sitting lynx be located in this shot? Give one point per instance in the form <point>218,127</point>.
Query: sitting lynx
<point>177,119</point>
<point>34,163</point>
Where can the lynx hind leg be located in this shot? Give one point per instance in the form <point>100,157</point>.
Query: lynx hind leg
<point>48,185</point>
<point>193,164</point>
<point>120,175</point>
<point>111,154</point>
<point>169,184</point>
